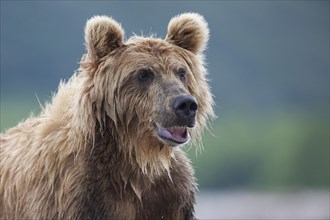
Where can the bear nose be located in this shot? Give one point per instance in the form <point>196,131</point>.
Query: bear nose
<point>185,108</point>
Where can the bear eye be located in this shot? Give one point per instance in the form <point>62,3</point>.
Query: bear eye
<point>145,75</point>
<point>182,73</point>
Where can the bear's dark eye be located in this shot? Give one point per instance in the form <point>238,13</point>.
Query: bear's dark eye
<point>182,73</point>
<point>145,75</point>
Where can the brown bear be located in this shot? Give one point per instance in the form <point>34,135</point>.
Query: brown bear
<point>107,146</point>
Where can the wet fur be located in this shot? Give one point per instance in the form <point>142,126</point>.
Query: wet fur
<point>92,153</point>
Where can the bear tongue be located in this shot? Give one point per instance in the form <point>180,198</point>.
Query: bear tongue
<point>176,131</point>
<point>178,134</point>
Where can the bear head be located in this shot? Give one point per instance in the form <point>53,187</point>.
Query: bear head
<point>151,92</point>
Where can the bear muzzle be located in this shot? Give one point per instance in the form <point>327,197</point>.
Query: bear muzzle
<point>184,108</point>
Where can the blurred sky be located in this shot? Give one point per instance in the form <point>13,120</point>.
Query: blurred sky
<point>263,56</point>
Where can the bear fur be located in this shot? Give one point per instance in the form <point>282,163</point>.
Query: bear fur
<point>107,146</point>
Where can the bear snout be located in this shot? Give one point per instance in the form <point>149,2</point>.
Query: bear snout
<point>185,108</point>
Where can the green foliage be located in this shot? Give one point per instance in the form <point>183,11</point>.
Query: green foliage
<point>283,151</point>
<point>12,112</point>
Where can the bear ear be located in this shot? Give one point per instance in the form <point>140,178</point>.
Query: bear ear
<point>189,31</point>
<point>102,35</point>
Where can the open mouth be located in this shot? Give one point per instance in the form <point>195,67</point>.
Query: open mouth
<point>175,134</point>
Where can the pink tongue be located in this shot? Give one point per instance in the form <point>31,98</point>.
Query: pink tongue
<point>178,134</point>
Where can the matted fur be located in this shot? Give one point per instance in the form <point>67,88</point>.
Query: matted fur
<point>93,152</point>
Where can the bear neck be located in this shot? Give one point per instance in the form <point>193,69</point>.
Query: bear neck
<point>151,159</point>
<point>141,167</point>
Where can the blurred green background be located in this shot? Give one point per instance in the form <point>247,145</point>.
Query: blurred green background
<point>269,71</point>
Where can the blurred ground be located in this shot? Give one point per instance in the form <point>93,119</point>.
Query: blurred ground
<point>306,204</point>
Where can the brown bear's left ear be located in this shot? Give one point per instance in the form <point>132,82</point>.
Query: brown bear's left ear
<point>189,31</point>
<point>102,35</point>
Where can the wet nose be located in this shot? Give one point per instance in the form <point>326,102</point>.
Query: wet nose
<point>185,108</point>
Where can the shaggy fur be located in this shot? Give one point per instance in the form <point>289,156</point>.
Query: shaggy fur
<point>94,151</point>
